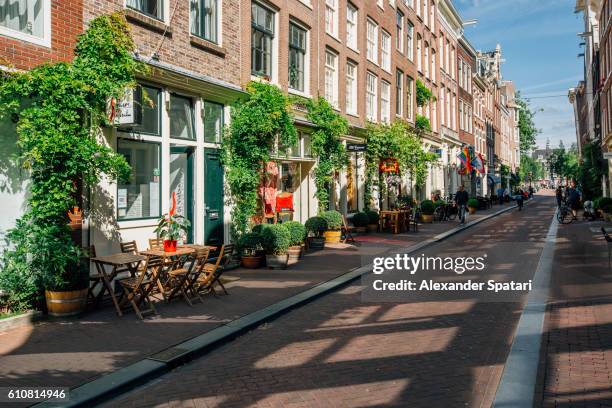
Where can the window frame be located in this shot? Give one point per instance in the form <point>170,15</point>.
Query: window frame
<point>45,40</point>
<point>193,122</point>
<point>385,108</point>
<point>334,23</point>
<point>265,32</point>
<point>304,51</point>
<point>354,44</point>
<point>373,115</point>
<point>385,52</point>
<point>334,83</point>
<point>162,8</point>
<point>220,135</point>
<point>372,44</point>
<point>217,17</point>
<point>354,88</point>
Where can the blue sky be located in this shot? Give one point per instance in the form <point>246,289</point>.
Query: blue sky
<point>540,46</point>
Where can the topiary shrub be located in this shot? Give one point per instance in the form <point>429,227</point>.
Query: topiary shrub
<point>427,207</point>
<point>361,219</point>
<point>334,220</point>
<point>439,203</point>
<point>276,239</point>
<point>472,202</point>
<point>249,244</point>
<point>373,217</point>
<point>259,228</point>
<point>316,226</point>
<point>603,203</point>
<point>297,232</point>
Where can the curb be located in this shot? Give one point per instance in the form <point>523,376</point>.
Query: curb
<point>25,319</point>
<point>517,385</point>
<point>113,384</point>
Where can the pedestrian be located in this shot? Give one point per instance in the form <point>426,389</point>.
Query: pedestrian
<point>559,196</point>
<point>461,199</point>
<point>500,195</point>
<point>573,199</point>
<point>530,192</point>
<point>520,199</point>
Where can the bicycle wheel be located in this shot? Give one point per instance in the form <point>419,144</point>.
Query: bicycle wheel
<point>565,216</point>
<point>451,214</point>
<point>437,215</point>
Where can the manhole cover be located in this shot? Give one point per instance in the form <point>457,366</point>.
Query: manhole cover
<point>168,354</point>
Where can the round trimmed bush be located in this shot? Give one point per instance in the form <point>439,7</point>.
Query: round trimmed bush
<point>427,207</point>
<point>297,232</point>
<point>603,204</point>
<point>361,219</point>
<point>259,228</point>
<point>472,202</point>
<point>276,239</point>
<point>373,216</point>
<point>316,225</point>
<point>439,203</point>
<point>249,243</point>
<point>334,220</point>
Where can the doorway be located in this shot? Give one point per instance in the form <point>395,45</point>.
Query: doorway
<point>182,183</point>
<point>213,198</point>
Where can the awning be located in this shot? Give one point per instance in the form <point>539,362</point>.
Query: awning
<point>493,179</point>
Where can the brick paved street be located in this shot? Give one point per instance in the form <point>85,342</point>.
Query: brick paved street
<point>340,351</point>
<point>576,363</point>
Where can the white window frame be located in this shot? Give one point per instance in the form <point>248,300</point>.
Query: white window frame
<point>371,97</point>
<point>399,93</point>
<point>219,19</point>
<point>410,40</point>
<point>410,97</point>
<point>351,83</point>
<point>372,42</point>
<point>399,44</point>
<point>385,101</point>
<point>419,50</point>
<point>306,91</point>
<point>442,107</point>
<point>352,26</point>
<point>331,12</point>
<point>334,83</point>
<point>45,40</point>
<point>433,64</point>
<point>426,59</point>
<point>385,50</point>
<point>425,13</point>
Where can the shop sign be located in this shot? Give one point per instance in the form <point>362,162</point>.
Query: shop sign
<point>356,147</point>
<point>389,166</point>
<point>127,110</point>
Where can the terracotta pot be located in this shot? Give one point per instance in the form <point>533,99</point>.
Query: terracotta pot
<point>316,243</point>
<point>472,210</point>
<point>427,218</point>
<point>169,245</point>
<point>332,237</point>
<point>277,261</point>
<point>252,262</point>
<point>294,253</point>
<point>372,227</point>
<point>66,303</point>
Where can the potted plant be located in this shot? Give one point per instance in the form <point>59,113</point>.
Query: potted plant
<point>373,219</point>
<point>361,221</point>
<point>276,240</point>
<point>316,226</point>
<point>250,249</point>
<point>427,209</point>
<point>334,225</point>
<point>171,227</point>
<point>472,205</point>
<point>297,235</point>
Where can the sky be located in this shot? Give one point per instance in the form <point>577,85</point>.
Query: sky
<point>540,46</point>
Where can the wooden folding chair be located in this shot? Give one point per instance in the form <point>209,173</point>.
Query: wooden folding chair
<point>211,273</point>
<point>346,231</point>
<point>137,290</point>
<point>156,243</point>
<point>94,278</point>
<point>183,279</point>
<point>412,220</point>
<point>129,247</point>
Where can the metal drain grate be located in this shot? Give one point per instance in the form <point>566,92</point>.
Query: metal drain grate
<point>168,354</point>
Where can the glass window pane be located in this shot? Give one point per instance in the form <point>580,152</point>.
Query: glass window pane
<point>181,117</point>
<point>153,8</point>
<point>26,16</point>
<point>213,122</point>
<point>151,99</point>
<point>139,197</point>
<point>307,145</point>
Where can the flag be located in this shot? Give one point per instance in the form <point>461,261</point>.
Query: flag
<point>466,160</point>
<point>478,164</point>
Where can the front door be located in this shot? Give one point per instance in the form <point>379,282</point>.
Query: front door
<point>213,198</point>
<point>181,183</point>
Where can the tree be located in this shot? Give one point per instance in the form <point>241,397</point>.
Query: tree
<point>527,129</point>
<point>530,168</point>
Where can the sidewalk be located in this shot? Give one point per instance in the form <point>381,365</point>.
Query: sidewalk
<point>576,360</point>
<point>74,351</point>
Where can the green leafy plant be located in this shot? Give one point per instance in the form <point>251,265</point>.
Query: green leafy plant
<point>326,145</point>
<point>333,219</point>
<point>604,204</point>
<point>316,226</point>
<point>276,239</point>
<point>472,202</point>
<point>172,227</point>
<point>423,94</point>
<point>427,207</point>
<point>373,216</point>
<point>439,203</point>
<point>59,109</point>
<point>422,124</point>
<point>361,219</point>
<point>297,232</point>
<point>249,244</point>
<point>257,124</point>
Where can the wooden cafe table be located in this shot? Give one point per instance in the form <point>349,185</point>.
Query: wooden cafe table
<point>118,262</point>
<point>169,261</point>
<point>397,219</point>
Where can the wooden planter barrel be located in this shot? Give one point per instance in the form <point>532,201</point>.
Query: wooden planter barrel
<point>67,303</point>
<point>332,237</point>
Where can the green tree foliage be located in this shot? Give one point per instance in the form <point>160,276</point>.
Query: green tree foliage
<point>591,170</point>
<point>260,121</point>
<point>527,129</point>
<point>423,94</point>
<point>326,145</point>
<point>422,124</point>
<point>58,109</point>
<point>529,166</point>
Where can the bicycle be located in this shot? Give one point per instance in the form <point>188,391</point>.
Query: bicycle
<point>564,214</point>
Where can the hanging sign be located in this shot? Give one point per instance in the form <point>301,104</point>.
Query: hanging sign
<point>356,147</point>
<point>389,166</point>
<point>127,110</point>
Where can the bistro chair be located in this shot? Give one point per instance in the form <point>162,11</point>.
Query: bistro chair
<point>412,220</point>
<point>129,247</point>
<point>346,231</point>
<point>94,278</point>
<point>137,290</point>
<point>212,273</point>
<point>183,279</point>
<point>156,243</point>
<point>609,241</point>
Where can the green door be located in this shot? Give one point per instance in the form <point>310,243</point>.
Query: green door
<point>182,183</point>
<point>213,198</point>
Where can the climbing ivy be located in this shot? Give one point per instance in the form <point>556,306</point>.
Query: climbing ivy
<point>257,124</point>
<point>326,145</point>
<point>423,94</point>
<point>58,109</point>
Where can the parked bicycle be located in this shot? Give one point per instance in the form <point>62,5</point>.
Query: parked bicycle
<point>564,214</point>
<point>445,212</point>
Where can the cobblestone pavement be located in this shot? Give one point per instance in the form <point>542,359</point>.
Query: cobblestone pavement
<point>576,362</point>
<point>342,352</point>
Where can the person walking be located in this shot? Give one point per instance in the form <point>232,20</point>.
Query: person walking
<point>559,196</point>
<point>500,195</point>
<point>461,199</point>
<point>573,199</point>
<point>520,199</point>
<point>530,192</point>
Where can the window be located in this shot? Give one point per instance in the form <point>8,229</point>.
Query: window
<point>204,15</point>
<point>372,38</point>
<point>140,196</point>
<point>432,15</point>
<point>152,8</point>
<point>331,17</point>
<point>307,145</point>
<point>371,105</point>
<point>399,43</point>
<point>297,57</point>
<point>399,93</point>
<point>460,67</point>
<point>181,117</point>
<point>213,122</point>
<point>418,7</point>
<point>425,13</point>
<point>331,78</point>
<point>442,107</point>
<point>352,18</point>
<point>453,112</point>
<point>452,65</point>
<point>441,51</point>
<point>351,88</point>
<point>434,116</point>
<point>385,101</point>
<point>410,93</point>
<point>419,54</point>
<point>447,57</point>
<point>262,35</point>
<point>433,65</point>
<point>28,20</point>
<point>410,39</point>
<point>385,50</point>
<point>461,115</point>
<point>426,60</point>
<point>151,112</point>
<point>380,3</point>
